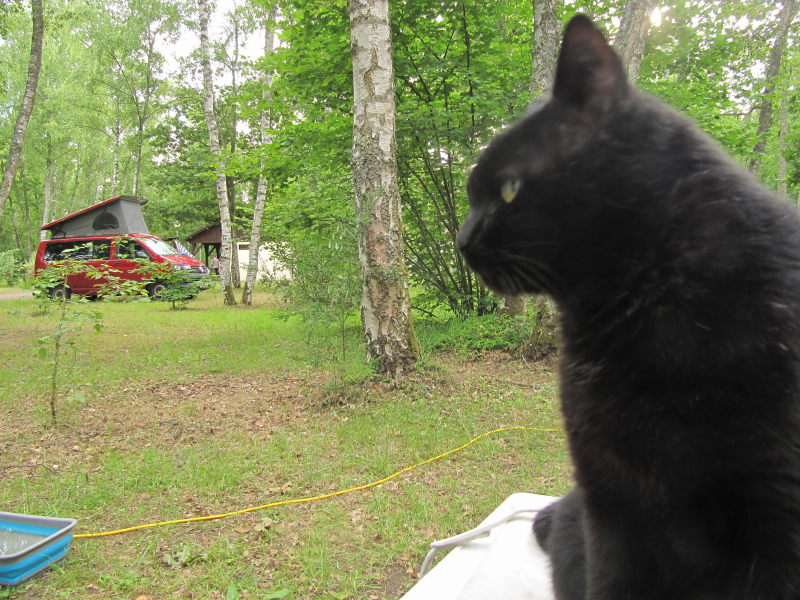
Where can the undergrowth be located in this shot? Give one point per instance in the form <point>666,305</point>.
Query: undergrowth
<point>477,334</point>
<point>213,409</point>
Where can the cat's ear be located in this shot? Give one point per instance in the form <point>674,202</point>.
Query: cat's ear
<point>589,73</point>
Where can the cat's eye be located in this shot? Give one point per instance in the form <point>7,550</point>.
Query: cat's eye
<point>509,190</point>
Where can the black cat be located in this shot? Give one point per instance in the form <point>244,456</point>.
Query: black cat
<point>678,281</point>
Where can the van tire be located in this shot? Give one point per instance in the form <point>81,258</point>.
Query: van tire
<point>60,291</point>
<point>155,289</point>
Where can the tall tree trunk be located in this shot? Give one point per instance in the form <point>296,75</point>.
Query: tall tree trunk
<point>117,151</point>
<point>632,33</point>
<point>783,132</point>
<point>137,168</point>
<point>230,181</point>
<point>773,70</point>
<point>546,33</point>
<point>546,36</point>
<point>261,192</point>
<point>143,108</point>
<point>48,191</point>
<point>385,304</point>
<point>230,187</point>
<point>26,215</point>
<point>26,106</point>
<point>213,137</point>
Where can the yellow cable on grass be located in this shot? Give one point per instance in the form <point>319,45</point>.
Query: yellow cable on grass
<point>359,488</point>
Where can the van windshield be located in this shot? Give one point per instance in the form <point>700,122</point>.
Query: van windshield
<point>159,247</point>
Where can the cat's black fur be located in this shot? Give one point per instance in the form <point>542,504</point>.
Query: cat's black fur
<point>677,276</point>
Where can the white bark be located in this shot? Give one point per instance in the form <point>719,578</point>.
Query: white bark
<point>48,196</point>
<point>546,34</point>
<point>26,106</point>
<point>773,70</point>
<point>213,137</point>
<point>265,124</point>
<point>783,132</point>
<point>385,302</point>
<point>632,34</point>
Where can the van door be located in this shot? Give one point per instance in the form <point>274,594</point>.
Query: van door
<point>128,257</point>
<point>94,255</point>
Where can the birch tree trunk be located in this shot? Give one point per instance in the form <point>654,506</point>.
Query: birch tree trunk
<point>230,181</point>
<point>385,304</point>
<point>546,33</point>
<point>546,37</point>
<point>26,106</point>
<point>632,33</point>
<point>773,70</point>
<point>213,137</point>
<point>48,192</point>
<point>117,145</point>
<point>783,133</point>
<point>265,124</point>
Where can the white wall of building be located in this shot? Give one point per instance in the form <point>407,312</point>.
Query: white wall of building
<point>268,267</point>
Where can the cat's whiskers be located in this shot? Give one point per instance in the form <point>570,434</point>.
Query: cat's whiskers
<point>534,272</point>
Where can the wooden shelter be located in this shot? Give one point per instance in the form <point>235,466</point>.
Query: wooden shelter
<point>209,239</point>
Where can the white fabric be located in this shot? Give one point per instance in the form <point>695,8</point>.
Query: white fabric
<point>507,564</point>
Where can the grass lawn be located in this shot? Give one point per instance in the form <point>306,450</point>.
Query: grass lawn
<point>186,413</point>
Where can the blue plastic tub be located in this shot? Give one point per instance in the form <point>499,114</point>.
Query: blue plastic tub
<point>30,544</point>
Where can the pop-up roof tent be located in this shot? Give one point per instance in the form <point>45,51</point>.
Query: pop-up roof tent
<point>122,214</point>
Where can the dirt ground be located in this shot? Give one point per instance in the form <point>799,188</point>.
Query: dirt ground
<point>166,415</point>
<point>15,295</point>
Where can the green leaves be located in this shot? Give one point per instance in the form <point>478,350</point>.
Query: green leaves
<point>182,556</point>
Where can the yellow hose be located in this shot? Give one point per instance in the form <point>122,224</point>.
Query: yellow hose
<point>359,488</point>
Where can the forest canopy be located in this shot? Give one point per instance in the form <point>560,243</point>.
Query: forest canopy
<point>116,113</point>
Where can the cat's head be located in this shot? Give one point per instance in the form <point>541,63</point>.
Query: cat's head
<point>533,193</point>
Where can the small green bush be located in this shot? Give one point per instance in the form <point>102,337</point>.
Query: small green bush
<point>476,334</point>
<point>12,267</point>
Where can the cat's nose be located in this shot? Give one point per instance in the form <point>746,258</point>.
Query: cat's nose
<point>466,233</point>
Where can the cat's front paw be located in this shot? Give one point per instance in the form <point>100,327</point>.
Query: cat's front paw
<point>543,525</point>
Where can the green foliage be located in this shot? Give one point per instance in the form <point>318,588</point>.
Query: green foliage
<point>71,317</point>
<point>179,292</point>
<point>12,268</point>
<point>168,284</point>
<point>317,222</point>
<point>182,556</point>
<point>462,72</point>
<point>476,334</point>
<point>460,76</point>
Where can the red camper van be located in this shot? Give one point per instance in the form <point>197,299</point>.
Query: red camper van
<point>111,236</point>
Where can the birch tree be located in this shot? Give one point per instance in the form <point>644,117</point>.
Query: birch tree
<point>265,124</point>
<point>633,29</point>
<point>773,71</point>
<point>546,35</point>
<point>385,304</point>
<point>213,137</point>
<point>26,106</point>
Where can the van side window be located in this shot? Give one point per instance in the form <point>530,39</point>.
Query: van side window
<point>55,250</point>
<point>94,250</point>
<point>80,251</point>
<point>101,249</point>
<point>130,249</point>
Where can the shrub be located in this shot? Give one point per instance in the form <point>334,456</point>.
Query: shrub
<point>12,268</point>
<point>477,334</point>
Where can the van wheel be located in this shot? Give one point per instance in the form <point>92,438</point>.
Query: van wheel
<point>155,289</point>
<point>60,291</point>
